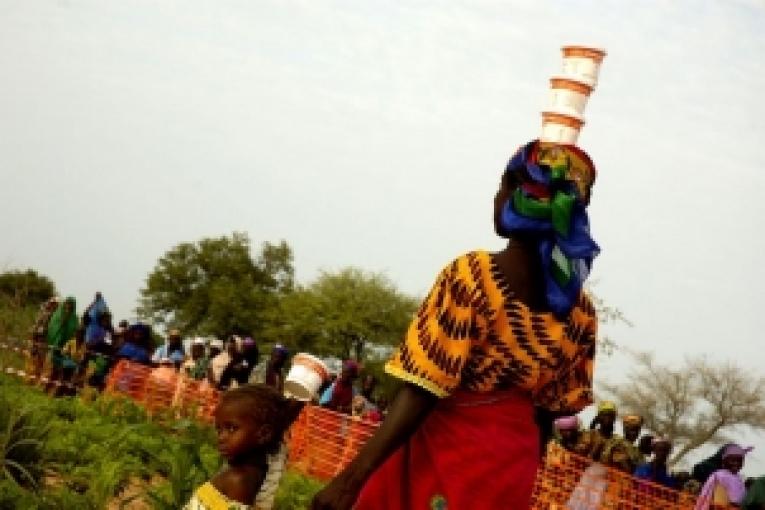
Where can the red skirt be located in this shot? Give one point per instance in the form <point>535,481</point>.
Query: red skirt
<point>474,451</point>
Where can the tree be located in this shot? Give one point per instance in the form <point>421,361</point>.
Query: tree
<point>21,293</point>
<point>694,404</point>
<point>342,313</point>
<point>26,287</point>
<point>214,286</point>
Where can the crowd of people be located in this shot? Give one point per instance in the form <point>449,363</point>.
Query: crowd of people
<point>81,349</point>
<point>716,480</point>
<point>75,350</point>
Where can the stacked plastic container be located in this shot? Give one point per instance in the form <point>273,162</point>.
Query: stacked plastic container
<point>564,117</point>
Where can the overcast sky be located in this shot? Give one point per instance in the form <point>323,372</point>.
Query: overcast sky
<point>374,133</point>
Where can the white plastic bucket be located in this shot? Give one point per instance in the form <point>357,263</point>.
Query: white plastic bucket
<point>560,128</point>
<point>306,376</point>
<point>568,95</point>
<point>582,63</point>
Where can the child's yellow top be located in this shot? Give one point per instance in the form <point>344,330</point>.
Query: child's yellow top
<point>207,497</point>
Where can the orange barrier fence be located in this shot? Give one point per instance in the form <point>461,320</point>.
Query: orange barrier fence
<point>163,388</point>
<point>323,442</point>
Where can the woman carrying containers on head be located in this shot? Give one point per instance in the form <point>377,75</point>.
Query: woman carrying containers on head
<point>498,336</point>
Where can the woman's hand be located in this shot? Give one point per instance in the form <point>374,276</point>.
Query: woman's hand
<point>340,494</point>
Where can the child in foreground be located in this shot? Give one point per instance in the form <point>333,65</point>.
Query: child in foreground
<point>250,421</point>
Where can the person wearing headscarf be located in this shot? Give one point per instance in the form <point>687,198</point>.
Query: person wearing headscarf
<point>39,348</point>
<point>95,332</point>
<point>501,339</point>
<point>275,368</point>
<point>339,396</point>
<point>571,436</point>
<point>61,328</point>
<point>218,362</point>
<point>63,323</point>
<point>632,425</point>
<point>725,486</point>
<point>704,469</point>
<point>656,470</point>
<point>241,365</point>
<point>137,344</point>
<point>197,364</point>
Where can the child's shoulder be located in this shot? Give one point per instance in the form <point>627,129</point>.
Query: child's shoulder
<point>241,485</point>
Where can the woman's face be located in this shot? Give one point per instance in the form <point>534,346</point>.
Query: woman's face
<point>733,463</point>
<point>68,307</point>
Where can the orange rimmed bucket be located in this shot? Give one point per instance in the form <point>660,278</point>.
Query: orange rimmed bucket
<point>568,95</point>
<point>307,374</point>
<point>582,63</point>
<point>560,128</point>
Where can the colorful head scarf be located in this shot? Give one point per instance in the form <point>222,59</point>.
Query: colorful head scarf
<point>736,450</point>
<point>633,420</point>
<point>606,406</point>
<point>94,332</point>
<point>550,204</point>
<point>567,423</point>
<point>63,325</point>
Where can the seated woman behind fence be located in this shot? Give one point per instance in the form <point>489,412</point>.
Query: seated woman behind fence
<point>251,421</point>
<point>498,335</point>
<point>656,470</point>
<point>725,486</point>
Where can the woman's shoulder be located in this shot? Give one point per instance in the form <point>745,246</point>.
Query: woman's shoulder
<point>468,265</point>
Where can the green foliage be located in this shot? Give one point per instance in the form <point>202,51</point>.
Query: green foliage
<point>94,449</point>
<point>215,287</point>
<point>295,492</point>
<point>341,313</point>
<point>22,436</point>
<point>16,320</point>
<point>27,288</point>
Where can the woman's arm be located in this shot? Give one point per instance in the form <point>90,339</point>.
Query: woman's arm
<point>407,412</point>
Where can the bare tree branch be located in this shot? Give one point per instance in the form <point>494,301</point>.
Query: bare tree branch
<point>693,404</point>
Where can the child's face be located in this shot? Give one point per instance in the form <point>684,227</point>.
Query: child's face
<point>238,432</point>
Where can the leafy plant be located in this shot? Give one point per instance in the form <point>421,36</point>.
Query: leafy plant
<point>296,491</point>
<point>21,442</point>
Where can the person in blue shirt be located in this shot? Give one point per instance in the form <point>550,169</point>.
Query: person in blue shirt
<point>656,470</point>
<point>136,346</point>
<point>172,350</point>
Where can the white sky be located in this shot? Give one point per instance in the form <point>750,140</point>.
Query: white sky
<point>374,133</point>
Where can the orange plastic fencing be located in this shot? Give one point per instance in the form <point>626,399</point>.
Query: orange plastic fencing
<point>162,389</point>
<point>323,442</point>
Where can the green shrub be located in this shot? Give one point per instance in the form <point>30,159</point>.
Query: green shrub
<point>22,436</point>
<point>296,491</point>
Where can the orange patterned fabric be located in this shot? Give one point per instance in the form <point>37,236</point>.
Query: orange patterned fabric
<point>470,334</point>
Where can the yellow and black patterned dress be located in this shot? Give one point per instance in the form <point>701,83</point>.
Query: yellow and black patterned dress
<point>491,359</point>
<point>471,334</point>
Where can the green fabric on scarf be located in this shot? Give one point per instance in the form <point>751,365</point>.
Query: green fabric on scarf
<point>62,326</point>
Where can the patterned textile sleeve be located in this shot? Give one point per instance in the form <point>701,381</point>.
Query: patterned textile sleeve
<point>438,341</point>
<point>571,390</point>
<point>577,381</point>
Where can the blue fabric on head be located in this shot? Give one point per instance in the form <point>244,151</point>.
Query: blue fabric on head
<point>577,247</point>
